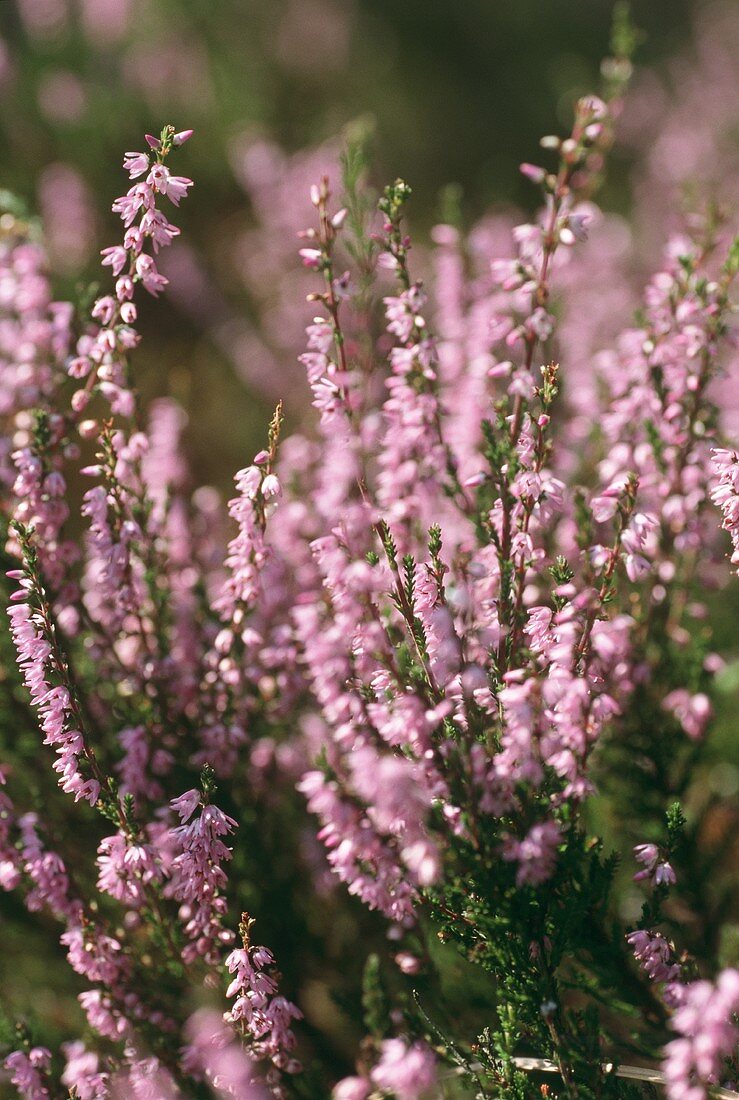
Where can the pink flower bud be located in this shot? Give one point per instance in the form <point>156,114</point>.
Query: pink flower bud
<point>79,367</point>
<point>474,480</point>
<point>88,429</point>
<point>311,257</point>
<point>407,963</point>
<point>532,172</point>
<point>270,486</point>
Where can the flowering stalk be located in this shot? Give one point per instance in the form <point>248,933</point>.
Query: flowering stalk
<point>331,380</point>
<point>231,661</point>
<point>414,445</point>
<point>102,356</point>
<point>537,245</point>
<point>197,875</point>
<point>259,1013</point>
<point>48,678</point>
<point>725,495</point>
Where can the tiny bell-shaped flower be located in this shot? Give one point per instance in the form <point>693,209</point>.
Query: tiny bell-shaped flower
<point>532,172</point>
<point>270,486</point>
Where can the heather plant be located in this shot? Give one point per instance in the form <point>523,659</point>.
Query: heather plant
<point>424,701</point>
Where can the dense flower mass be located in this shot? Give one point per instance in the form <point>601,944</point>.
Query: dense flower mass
<point>706,1024</point>
<point>726,494</point>
<point>379,699</point>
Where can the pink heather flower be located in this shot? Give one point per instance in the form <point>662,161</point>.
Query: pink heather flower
<point>311,257</point>
<point>657,958</point>
<point>664,875</point>
<point>407,1071</point>
<point>177,187</point>
<point>53,704</point>
<point>247,552</point>
<point>637,566</point>
<point>647,854</point>
<point>403,312</point>
<point>144,1078</point>
<point>605,506</point>
<point>174,187</point>
<point>725,494</point>
<point>270,486</point>
<point>536,854</point>
<point>139,197</point>
<point>407,963</point>
<point>47,874</point>
<point>198,879</point>
<point>356,853</point>
<point>95,955</point>
<point>28,1072</point>
<point>126,869</point>
<point>107,349</point>
<point>115,257</point>
<point>533,172</point>
<point>102,1015</point>
<point>693,712</point>
<point>182,136</point>
<point>81,1074</point>
<point>214,1052</point>
<point>351,1088</point>
<point>706,1024</point>
<point>655,868</point>
<point>162,232</point>
<point>147,272</point>
<point>259,1011</point>
<point>135,164</point>
<point>186,804</point>
<point>393,789</point>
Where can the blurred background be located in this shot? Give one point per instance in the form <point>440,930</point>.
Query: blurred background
<point>455,93</point>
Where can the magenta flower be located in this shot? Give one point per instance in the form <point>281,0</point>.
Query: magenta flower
<point>408,1071</point>
<point>28,1072</point>
<point>706,1024</point>
<point>136,164</point>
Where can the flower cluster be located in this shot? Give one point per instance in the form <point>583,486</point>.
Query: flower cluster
<point>262,1016</point>
<point>708,1036</point>
<point>101,356</point>
<point>197,875</point>
<point>726,494</point>
<point>45,676</point>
